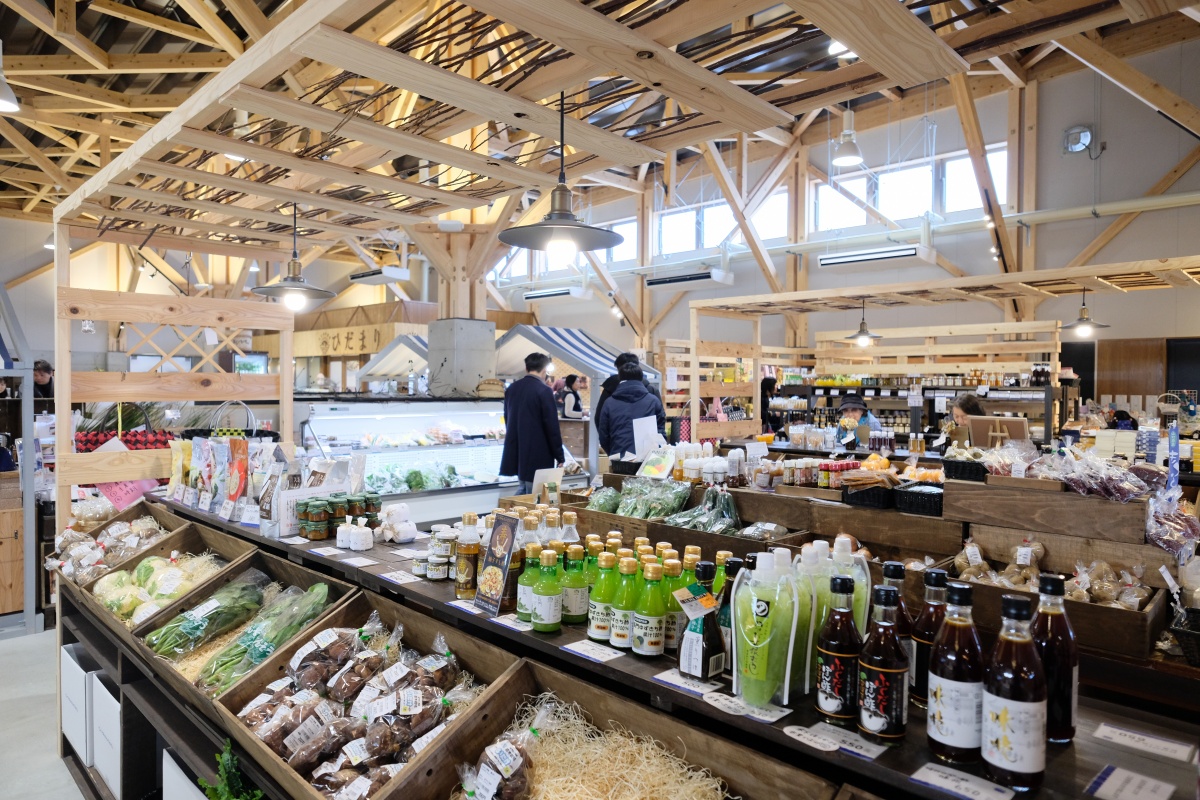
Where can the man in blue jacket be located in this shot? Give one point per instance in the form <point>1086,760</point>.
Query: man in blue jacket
<point>532,440</point>
<point>629,401</point>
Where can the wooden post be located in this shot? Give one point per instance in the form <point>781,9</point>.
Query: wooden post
<point>64,435</point>
<point>694,382</point>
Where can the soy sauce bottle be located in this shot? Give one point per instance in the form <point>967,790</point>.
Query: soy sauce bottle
<point>883,675</point>
<point>924,631</point>
<point>893,575</point>
<point>955,682</point>
<point>1014,702</point>
<point>838,648</point>
<point>1055,642</point>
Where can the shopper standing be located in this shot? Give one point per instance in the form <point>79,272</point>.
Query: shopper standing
<point>854,407</point>
<point>613,381</point>
<point>965,406</point>
<point>43,379</point>
<point>532,440</point>
<point>572,406</point>
<point>631,400</point>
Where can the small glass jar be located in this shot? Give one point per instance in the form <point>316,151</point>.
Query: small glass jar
<point>439,568</point>
<point>315,531</point>
<point>356,505</point>
<point>302,510</point>
<point>318,511</point>
<point>337,507</point>
<point>373,522</point>
<point>374,503</point>
<point>443,544</point>
<point>823,475</point>
<point>421,565</point>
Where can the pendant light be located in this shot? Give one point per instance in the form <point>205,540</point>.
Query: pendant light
<point>847,153</point>
<point>8,100</point>
<point>863,337</point>
<point>292,289</point>
<point>1085,326</point>
<point>561,235</point>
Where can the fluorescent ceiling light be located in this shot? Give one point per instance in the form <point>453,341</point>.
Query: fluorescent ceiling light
<point>574,292</point>
<point>381,276</point>
<point>721,276</point>
<point>878,257</point>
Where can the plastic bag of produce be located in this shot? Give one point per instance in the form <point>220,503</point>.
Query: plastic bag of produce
<point>1000,460</point>
<point>111,583</point>
<point>503,770</point>
<point>147,567</point>
<point>606,500</point>
<point>228,607</point>
<point>275,625</point>
<point>327,652</point>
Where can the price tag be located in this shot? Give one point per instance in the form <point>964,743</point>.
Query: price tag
<point>227,507</point>
<point>505,756</point>
<point>395,673</point>
<point>190,497</point>
<point>179,492</point>
<point>411,702</point>
<point>593,651</point>
<point>282,683</point>
<point>423,742</point>
<point>487,783</point>
<point>377,708</point>
<point>915,400</point>
<point>1114,783</point>
<point>359,562</point>
<point>465,605</point>
<point>356,790</point>
<point>364,699</point>
<point>307,731</point>
<point>939,405</point>
<point>834,392</point>
<point>974,557</point>
<point>770,715</point>
<point>412,553</point>
<point>255,703</point>
<point>756,450</point>
<point>400,576</point>
<point>848,741</point>
<point>356,751</point>
<point>960,783</point>
<point>694,686</point>
<point>695,600</point>
<point>733,705</point>
<point>982,391</point>
<point>1024,556</point>
<point>672,378</point>
<point>300,654</point>
<point>294,540</point>
<point>250,514</point>
<point>327,551</point>
<point>327,712</point>
<point>511,621</point>
<point>1145,742</point>
<point>205,503</point>
<point>1019,468</point>
<point>868,392</point>
<point>811,738</point>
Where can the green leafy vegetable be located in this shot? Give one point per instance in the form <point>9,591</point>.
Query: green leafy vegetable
<point>229,606</point>
<point>230,784</point>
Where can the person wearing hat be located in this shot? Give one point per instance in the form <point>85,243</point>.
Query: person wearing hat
<point>854,407</point>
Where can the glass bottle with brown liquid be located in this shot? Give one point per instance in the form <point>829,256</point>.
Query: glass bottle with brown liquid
<point>1055,642</point>
<point>955,682</point>
<point>893,575</point>
<point>924,631</point>
<point>1014,702</point>
<point>838,648</point>
<point>883,675</point>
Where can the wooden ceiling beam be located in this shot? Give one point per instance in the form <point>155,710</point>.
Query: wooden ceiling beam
<point>208,20</point>
<point>887,36</point>
<point>267,190</point>
<point>152,21</point>
<point>128,64</point>
<point>35,155</point>
<point>353,54</point>
<point>70,122</point>
<point>43,20</point>
<point>296,112</point>
<point>604,41</point>
<point>346,176</point>
<point>737,205</point>
<point>1143,10</point>
<point>184,223</point>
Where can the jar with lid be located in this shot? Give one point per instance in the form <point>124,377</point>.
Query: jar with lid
<point>314,531</point>
<point>442,544</point>
<point>373,522</point>
<point>439,568</point>
<point>421,565</point>
<point>789,473</point>
<point>823,473</point>
<point>318,511</point>
<point>706,472</point>
<point>338,507</point>
<point>374,502</point>
<point>356,505</point>
<point>302,510</point>
<point>720,476</point>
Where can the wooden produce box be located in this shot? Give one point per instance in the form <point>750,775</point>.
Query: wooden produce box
<point>1063,551</point>
<point>528,500</point>
<point>279,570</point>
<point>810,492</point>
<point>1033,484</point>
<point>190,539</point>
<point>486,662</point>
<point>748,773</point>
<point>142,508</point>
<point>1104,628</point>
<point>10,489</point>
<point>1067,513</point>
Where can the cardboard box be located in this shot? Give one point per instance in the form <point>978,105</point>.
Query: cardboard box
<point>177,784</point>
<point>75,669</point>
<point>106,731</point>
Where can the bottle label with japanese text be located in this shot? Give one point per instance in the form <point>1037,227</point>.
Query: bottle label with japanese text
<point>649,635</point>
<point>883,701</point>
<point>837,684</point>
<point>524,599</point>
<point>1014,734</point>
<point>575,601</point>
<point>955,712</point>
<point>599,620</point>
<point>692,657</point>
<point>547,609</point>
<point>621,634</point>
<point>677,622</point>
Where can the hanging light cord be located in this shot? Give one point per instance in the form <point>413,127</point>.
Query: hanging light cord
<point>295,214</point>
<point>1085,297</point>
<point>562,135</point>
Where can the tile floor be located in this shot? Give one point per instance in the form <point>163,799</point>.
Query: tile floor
<point>29,761</point>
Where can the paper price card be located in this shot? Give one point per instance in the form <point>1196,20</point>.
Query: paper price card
<point>848,741</point>
<point>593,651</point>
<point>400,576</point>
<point>359,562</point>
<point>227,507</point>
<point>1145,742</point>
<point>511,621</point>
<point>811,738</point>
<point>191,496</point>
<point>695,600</point>
<point>327,551</point>
<point>465,605</point>
<point>250,515</point>
<point>694,686</point>
<point>294,540</point>
<point>733,705</point>
<point>1114,783</point>
<point>960,784</point>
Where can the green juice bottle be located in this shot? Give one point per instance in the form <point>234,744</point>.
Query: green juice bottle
<point>574,588</point>
<point>560,551</point>
<point>719,580</point>
<point>725,611</point>
<point>528,578</point>
<point>591,567</point>
<point>676,620</point>
<point>650,615</point>
<point>764,617</point>
<point>690,560</point>
<point>546,614</point>
<point>600,602</point>
<point>803,651</point>
<point>624,601</point>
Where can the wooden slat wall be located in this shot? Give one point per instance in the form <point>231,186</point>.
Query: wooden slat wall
<point>1131,366</point>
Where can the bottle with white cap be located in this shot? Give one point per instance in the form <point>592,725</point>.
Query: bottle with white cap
<point>844,563</point>
<point>764,624</point>
<point>806,570</point>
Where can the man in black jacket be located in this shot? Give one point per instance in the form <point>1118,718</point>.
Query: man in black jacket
<point>610,384</point>
<point>532,440</point>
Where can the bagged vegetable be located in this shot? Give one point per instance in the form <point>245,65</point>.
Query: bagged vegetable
<point>230,606</point>
<point>239,457</point>
<point>606,500</point>
<point>328,742</point>
<point>504,767</point>
<point>220,474</point>
<point>275,625</point>
<point>326,652</point>
<point>440,668</point>
<point>1168,524</point>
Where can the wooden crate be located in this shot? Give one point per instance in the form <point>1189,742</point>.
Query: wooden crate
<point>487,663</point>
<point>1066,513</point>
<point>1063,551</point>
<point>1033,484</point>
<point>142,508</point>
<point>749,773</point>
<point>527,500</point>
<point>279,570</point>
<point>191,538</point>
<point>1103,628</point>
<point>810,493</point>
<point>849,792</point>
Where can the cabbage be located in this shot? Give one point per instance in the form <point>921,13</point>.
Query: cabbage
<point>148,567</point>
<point>168,583</point>
<point>111,583</point>
<point>145,611</point>
<point>126,600</point>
